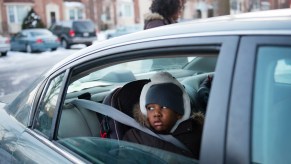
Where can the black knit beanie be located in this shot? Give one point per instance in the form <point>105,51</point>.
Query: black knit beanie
<point>168,95</point>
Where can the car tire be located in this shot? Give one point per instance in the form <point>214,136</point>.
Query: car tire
<point>53,49</point>
<point>28,48</point>
<point>65,44</point>
<point>88,44</point>
<point>3,53</point>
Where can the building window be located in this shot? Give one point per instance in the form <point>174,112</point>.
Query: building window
<point>76,13</point>
<point>16,13</point>
<point>126,10</point>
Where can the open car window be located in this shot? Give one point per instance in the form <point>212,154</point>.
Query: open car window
<point>80,129</point>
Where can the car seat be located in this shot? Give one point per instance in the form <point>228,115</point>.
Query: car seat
<point>123,99</point>
<point>198,90</point>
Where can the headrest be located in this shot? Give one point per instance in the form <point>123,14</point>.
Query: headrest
<point>126,97</point>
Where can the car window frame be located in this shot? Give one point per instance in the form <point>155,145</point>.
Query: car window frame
<point>239,135</point>
<point>41,98</point>
<point>100,56</point>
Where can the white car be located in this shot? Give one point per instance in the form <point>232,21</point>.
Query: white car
<point>4,45</point>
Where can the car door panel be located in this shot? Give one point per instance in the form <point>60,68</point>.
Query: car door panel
<point>213,149</point>
<point>31,149</point>
<point>241,103</point>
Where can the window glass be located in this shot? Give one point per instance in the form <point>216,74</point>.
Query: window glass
<point>17,13</point>
<point>80,13</point>
<point>93,82</point>
<point>21,12</point>
<point>84,26</point>
<point>72,14</point>
<point>11,14</point>
<point>271,118</point>
<point>125,72</point>
<point>48,105</point>
<point>40,32</point>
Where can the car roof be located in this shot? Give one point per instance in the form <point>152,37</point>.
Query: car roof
<point>272,22</point>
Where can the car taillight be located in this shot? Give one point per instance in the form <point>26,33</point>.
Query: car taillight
<point>58,39</point>
<point>39,41</point>
<point>72,33</point>
<point>7,40</point>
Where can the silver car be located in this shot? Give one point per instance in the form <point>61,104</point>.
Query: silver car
<point>4,45</point>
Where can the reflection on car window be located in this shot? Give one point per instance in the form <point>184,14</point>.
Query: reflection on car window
<point>48,105</point>
<point>272,95</point>
<point>101,150</point>
<point>283,71</point>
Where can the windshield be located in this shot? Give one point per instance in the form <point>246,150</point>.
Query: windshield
<point>83,26</point>
<point>40,32</point>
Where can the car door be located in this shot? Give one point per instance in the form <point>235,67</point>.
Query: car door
<point>163,47</point>
<point>258,126</point>
<point>15,42</point>
<point>21,41</point>
<point>33,145</point>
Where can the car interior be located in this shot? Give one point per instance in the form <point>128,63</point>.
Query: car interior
<point>120,86</point>
<point>121,89</point>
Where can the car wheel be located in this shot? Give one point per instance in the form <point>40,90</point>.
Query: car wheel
<point>65,44</point>
<point>28,48</point>
<point>3,53</point>
<point>88,44</point>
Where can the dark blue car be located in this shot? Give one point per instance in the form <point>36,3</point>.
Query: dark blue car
<point>32,40</point>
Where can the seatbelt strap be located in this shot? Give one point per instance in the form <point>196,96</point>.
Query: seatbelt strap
<point>124,119</point>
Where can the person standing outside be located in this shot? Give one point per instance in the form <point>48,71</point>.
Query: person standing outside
<point>163,12</point>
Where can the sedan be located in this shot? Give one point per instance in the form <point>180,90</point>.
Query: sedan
<point>4,45</point>
<point>32,40</point>
<point>64,116</point>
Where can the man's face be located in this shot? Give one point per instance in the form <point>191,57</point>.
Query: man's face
<point>161,119</point>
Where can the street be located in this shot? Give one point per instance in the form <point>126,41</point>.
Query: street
<point>19,69</point>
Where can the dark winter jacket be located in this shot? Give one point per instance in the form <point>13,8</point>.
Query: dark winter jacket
<point>188,132</point>
<point>153,20</point>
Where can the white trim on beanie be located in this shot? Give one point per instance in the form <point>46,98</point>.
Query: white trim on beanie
<point>165,77</point>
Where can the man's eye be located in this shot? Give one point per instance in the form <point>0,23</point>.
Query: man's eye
<point>164,107</point>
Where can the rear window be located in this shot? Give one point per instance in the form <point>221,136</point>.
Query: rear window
<point>40,32</point>
<point>84,26</point>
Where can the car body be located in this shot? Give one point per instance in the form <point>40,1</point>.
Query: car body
<point>247,116</point>
<point>32,40</point>
<point>123,30</point>
<point>4,45</point>
<point>75,32</point>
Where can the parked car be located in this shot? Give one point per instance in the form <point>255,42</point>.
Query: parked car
<point>75,32</point>
<point>32,40</point>
<point>123,30</point>
<point>4,45</point>
<point>57,119</point>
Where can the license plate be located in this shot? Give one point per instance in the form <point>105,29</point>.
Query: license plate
<point>86,34</point>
